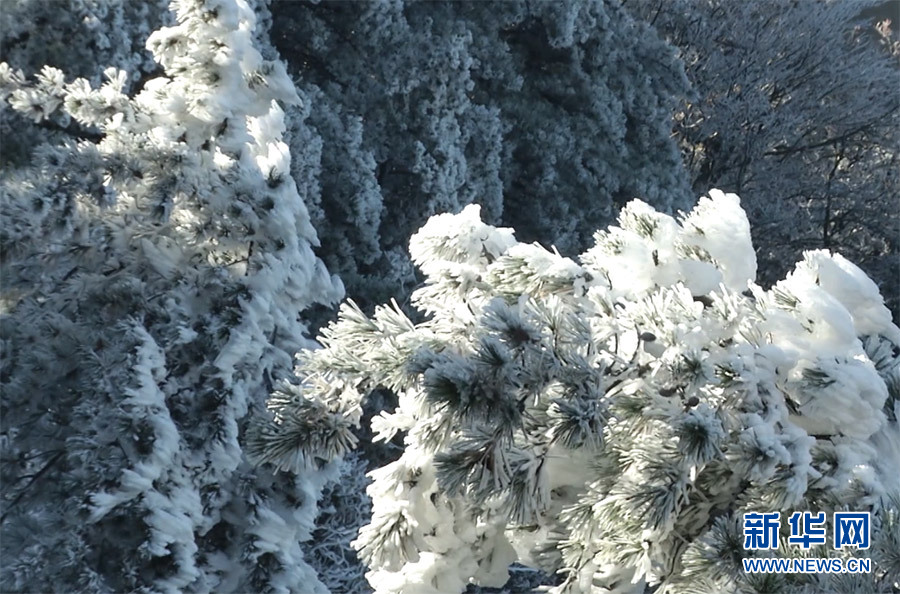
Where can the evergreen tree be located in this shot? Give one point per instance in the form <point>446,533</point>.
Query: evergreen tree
<point>609,420</point>
<point>425,107</point>
<point>157,259</point>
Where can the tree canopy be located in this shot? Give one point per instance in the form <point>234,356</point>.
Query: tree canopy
<point>610,420</point>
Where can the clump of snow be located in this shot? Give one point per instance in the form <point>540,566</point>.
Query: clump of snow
<point>711,246</point>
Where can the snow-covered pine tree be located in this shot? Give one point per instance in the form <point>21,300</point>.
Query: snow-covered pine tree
<point>156,263</point>
<point>610,420</point>
<point>550,115</point>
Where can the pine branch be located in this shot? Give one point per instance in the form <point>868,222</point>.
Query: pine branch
<point>34,479</point>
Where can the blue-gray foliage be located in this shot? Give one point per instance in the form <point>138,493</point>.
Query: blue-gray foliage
<point>550,115</point>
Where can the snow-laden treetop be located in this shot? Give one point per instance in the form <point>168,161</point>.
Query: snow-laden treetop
<point>610,420</point>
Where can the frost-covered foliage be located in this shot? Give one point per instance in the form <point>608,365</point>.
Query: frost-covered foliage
<point>155,267</point>
<point>425,107</point>
<point>610,419</point>
<point>343,506</point>
<point>796,110</point>
<point>74,36</point>
<point>111,32</point>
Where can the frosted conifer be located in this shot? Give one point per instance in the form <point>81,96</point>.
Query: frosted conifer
<point>155,266</point>
<point>610,419</point>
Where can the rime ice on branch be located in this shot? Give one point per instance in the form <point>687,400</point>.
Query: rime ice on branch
<point>611,419</point>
